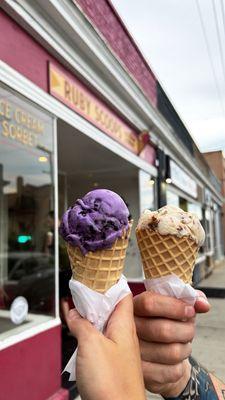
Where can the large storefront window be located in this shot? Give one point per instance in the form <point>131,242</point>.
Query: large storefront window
<point>196,208</point>
<point>147,192</point>
<point>26,213</point>
<point>172,198</point>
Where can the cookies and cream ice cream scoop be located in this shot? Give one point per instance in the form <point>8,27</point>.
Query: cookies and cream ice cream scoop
<point>169,240</point>
<point>171,220</point>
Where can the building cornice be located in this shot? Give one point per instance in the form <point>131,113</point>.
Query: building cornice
<point>64,31</point>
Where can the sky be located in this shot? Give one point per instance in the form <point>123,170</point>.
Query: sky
<point>179,40</point>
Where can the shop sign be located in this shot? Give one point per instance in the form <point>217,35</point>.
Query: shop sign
<point>182,180</point>
<point>19,125</point>
<point>77,97</point>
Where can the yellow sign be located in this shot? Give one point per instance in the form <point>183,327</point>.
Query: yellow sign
<point>72,93</point>
<point>19,125</point>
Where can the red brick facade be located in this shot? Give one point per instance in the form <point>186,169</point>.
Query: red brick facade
<point>104,17</point>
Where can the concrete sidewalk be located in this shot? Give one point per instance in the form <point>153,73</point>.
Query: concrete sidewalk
<point>216,279</point>
<point>209,343</point>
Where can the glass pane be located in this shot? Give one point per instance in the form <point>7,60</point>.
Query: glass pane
<point>147,191</point>
<point>26,208</point>
<point>196,208</point>
<point>172,199</point>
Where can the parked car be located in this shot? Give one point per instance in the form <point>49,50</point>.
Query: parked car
<point>32,276</point>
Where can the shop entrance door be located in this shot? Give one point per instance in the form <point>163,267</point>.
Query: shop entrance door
<point>84,165</point>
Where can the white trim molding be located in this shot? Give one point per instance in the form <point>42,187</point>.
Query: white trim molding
<point>200,259</point>
<point>56,210</point>
<point>29,332</point>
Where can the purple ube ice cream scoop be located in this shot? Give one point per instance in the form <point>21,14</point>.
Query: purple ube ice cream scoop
<point>95,221</point>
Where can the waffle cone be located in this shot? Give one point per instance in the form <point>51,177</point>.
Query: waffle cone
<point>166,254</point>
<point>100,269</point>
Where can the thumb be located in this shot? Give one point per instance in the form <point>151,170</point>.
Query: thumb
<point>122,319</point>
<point>80,327</point>
<point>201,305</point>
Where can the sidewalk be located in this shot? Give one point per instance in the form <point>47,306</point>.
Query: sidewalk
<point>216,279</point>
<point>209,343</point>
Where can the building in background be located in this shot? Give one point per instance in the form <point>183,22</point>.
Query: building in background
<point>79,108</point>
<point>216,161</point>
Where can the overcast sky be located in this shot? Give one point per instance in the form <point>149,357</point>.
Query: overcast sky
<point>170,35</point>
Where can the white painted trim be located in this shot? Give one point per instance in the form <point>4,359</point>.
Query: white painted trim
<point>43,20</point>
<point>56,206</point>
<point>179,192</point>
<point>200,259</point>
<point>209,253</point>
<point>18,82</point>
<point>136,280</point>
<point>28,333</point>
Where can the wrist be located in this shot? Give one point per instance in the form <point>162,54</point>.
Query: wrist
<point>175,389</point>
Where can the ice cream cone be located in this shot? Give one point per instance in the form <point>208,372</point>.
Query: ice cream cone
<point>166,254</point>
<point>100,269</point>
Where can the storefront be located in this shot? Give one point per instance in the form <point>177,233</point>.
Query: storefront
<point>72,118</point>
<point>213,225</point>
<point>54,147</point>
<point>185,192</point>
<point>46,164</point>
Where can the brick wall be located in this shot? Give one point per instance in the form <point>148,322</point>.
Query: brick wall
<point>215,161</point>
<point>104,17</point>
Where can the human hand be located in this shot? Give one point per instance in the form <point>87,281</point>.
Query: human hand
<point>166,328</point>
<point>108,366</point>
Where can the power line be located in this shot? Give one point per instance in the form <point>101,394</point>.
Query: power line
<point>210,57</point>
<point>222,58</point>
<point>223,14</point>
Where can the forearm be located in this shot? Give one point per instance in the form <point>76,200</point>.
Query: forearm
<point>201,386</point>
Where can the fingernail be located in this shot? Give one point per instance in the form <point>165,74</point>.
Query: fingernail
<point>200,293</point>
<point>72,314</point>
<point>202,299</point>
<point>189,311</point>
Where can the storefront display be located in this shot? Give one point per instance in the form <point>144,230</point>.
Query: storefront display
<point>27,230</point>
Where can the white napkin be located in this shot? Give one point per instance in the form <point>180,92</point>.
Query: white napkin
<point>96,307</point>
<point>173,286</point>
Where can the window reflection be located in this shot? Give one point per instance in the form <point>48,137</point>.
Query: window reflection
<point>26,199</point>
